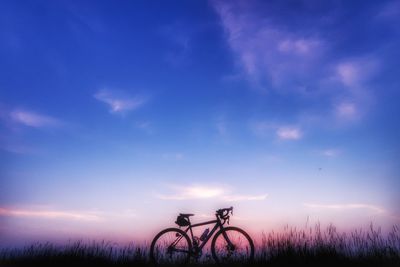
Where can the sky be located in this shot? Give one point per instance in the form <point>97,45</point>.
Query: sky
<point>117,115</point>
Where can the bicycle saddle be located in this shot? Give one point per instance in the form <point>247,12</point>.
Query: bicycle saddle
<point>186,214</point>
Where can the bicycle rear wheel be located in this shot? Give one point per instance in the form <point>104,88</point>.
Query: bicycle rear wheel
<point>171,246</point>
<point>232,245</point>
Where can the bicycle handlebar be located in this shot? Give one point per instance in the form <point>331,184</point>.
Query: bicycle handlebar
<point>224,213</point>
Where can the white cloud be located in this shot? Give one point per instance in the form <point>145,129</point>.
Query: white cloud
<point>193,192</point>
<point>48,214</point>
<point>32,119</point>
<point>289,133</point>
<point>344,207</point>
<point>264,128</point>
<point>119,101</point>
<point>207,192</point>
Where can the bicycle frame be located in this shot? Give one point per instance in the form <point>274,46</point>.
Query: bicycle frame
<point>218,225</point>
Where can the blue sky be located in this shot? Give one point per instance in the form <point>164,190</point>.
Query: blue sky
<point>114,112</point>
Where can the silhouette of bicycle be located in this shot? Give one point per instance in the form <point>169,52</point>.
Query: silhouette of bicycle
<point>230,244</point>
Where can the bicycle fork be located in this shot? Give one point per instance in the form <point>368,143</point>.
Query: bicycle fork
<point>230,245</point>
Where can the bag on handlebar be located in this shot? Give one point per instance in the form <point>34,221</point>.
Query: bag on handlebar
<point>182,221</point>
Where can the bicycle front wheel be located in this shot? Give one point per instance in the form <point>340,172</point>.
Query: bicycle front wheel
<point>171,246</point>
<point>232,245</point>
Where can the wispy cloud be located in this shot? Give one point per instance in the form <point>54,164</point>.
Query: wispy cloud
<point>193,192</point>
<point>289,133</point>
<point>355,72</point>
<point>267,53</point>
<point>344,207</point>
<point>33,119</point>
<point>299,46</point>
<point>349,73</point>
<point>264,129</point>
<point>119,101</point>
<point>354,75</point>
<point>330,152</point>
<point>346,110</point>
<point>48,214</point>
<point>145,126</point>
<point>276,54</point>
<point>272,53</point>
<point>207,192</point>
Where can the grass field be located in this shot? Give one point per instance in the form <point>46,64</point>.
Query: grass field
<point>292,247</point>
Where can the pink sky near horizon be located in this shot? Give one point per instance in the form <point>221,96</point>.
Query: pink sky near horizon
<point>41,224</point>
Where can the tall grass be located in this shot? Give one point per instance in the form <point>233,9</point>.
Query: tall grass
<point>328,246</point>
<point>312,246</point>
<point>76,253</point>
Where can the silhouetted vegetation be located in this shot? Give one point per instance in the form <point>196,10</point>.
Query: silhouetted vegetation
<point>291,247</point>
<point>329,247</point>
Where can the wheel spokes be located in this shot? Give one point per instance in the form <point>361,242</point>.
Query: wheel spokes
<point>233,246</point>
<point>171,247</point>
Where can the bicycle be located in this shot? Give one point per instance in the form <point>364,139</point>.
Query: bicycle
<point>229,244</point>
